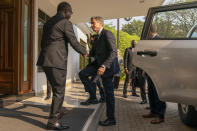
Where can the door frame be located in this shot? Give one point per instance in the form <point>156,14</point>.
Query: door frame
<point>26,86</point>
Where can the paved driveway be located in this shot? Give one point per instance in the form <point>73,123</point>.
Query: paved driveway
<point>129,117</point>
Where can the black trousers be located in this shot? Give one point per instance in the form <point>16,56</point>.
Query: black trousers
<point>90,87</point>
<point>57,79</point>
<point>89,84</point>
<point>110,99</point>
<point>129,79</point>
<point>49,88</point>
<point>116,82</point>
<point>157,107</point>
<point>101,88</point>
<point>139,81</point>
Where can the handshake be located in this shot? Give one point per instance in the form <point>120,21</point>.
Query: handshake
<point>87,51</point>
<point>86,54</point>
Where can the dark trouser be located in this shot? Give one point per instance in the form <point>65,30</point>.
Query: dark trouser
<point>126,83</point>
<point>101,88</point>
<point>140,81</point>
<point>110,100</point>
<point>116,81</point>
<point>49,88</point>
<point>89,71</point>
<point>57,79</point>
<point>157,107</point>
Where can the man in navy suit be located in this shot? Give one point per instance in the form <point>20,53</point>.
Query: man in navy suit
<point>90,84</point>
<point>105,52</point>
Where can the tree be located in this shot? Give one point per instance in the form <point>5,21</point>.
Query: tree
<point>175,24</point>
<point>134,28</point>
<point>124,40</point>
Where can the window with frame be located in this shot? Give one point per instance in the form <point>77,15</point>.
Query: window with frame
<point>175,24</point>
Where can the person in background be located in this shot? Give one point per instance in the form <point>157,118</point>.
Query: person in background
<point>129,70</point>
<point>119,74</point>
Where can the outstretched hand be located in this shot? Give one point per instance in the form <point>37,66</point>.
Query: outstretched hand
<point>101,71</point>
<point>86,54</point>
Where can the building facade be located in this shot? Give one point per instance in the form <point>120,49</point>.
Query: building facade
<point>21,23</point>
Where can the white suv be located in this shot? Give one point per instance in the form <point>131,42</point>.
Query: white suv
<point>171,60</point>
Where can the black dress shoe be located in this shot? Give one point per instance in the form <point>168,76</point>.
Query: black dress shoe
<point>101,100</point>
<point>47,98</point>
<point>56,126</point>
<point>143,102</point>
<point>136,95</point>
<point>107,122</point>
<point>89,101</point>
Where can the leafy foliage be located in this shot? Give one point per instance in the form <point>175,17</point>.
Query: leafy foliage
<point>133,28</point>
<point>177,23</point>
<point>124,40</point>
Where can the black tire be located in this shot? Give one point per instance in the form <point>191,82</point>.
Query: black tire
<point>188,115</point>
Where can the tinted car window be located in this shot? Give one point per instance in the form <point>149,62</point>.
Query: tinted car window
<point>176,23</point>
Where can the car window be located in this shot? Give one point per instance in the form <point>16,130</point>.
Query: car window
<point>175,24</point>
<point>194,33</point>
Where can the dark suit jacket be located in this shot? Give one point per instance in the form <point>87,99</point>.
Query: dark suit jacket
<point>57,33</point>
<point>128,59</point>
<point>105,51</point>
<point>92,55</point>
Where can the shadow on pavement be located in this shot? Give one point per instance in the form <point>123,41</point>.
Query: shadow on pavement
<point>37,116</point>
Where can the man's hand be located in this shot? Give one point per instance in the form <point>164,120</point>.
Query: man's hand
<point>126,71</point>
<point>101,70</point>
<point>86,54</point>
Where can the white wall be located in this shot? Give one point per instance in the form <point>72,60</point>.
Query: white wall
<point>39,82</point>
<point>73,57</point>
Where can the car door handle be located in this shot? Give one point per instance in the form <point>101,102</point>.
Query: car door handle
<point>147,52</point>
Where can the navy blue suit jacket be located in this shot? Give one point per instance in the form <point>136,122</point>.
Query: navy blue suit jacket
<point>105,51</point>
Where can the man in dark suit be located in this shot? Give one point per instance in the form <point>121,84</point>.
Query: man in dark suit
<point>107,65</point>
<point>90,84</point>
<point>157,107</point>
<point>57,33</point>
<point>129,70</point>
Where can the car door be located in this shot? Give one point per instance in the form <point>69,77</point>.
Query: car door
<point>170,61</point>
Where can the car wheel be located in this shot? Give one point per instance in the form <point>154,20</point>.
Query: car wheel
<point>188,114</point>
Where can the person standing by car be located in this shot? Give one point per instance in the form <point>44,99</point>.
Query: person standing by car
<point>129,69</point>
<point>57,34</point>
<point>157,107</point>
